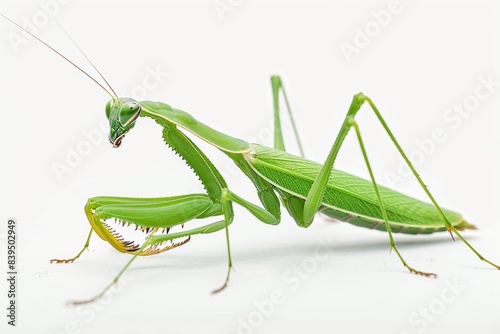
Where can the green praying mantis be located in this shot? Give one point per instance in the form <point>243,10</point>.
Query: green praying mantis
<point>300,186</point>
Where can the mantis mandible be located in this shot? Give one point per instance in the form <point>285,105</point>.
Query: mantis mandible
<point>301,186</point>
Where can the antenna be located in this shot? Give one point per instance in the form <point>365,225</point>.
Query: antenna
<point>58,53</point>
<point>84,55</point>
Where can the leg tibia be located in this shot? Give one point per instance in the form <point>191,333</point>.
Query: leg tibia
<point>279,143</point>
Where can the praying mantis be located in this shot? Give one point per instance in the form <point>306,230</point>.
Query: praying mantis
<point>302,187</point>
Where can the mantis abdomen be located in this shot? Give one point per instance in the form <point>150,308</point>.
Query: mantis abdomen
<point>350,198</point>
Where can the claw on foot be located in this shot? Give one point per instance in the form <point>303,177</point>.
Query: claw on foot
<point>81,302</point>
<point>421,273</point>
<point>62,261</point>
<point>219,289</point>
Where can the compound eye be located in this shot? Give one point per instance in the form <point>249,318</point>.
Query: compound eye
<point>129,113</point>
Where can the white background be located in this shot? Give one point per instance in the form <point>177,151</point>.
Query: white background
<point>427,59</point>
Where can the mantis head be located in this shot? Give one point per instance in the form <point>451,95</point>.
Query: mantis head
<point>122,114</point>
